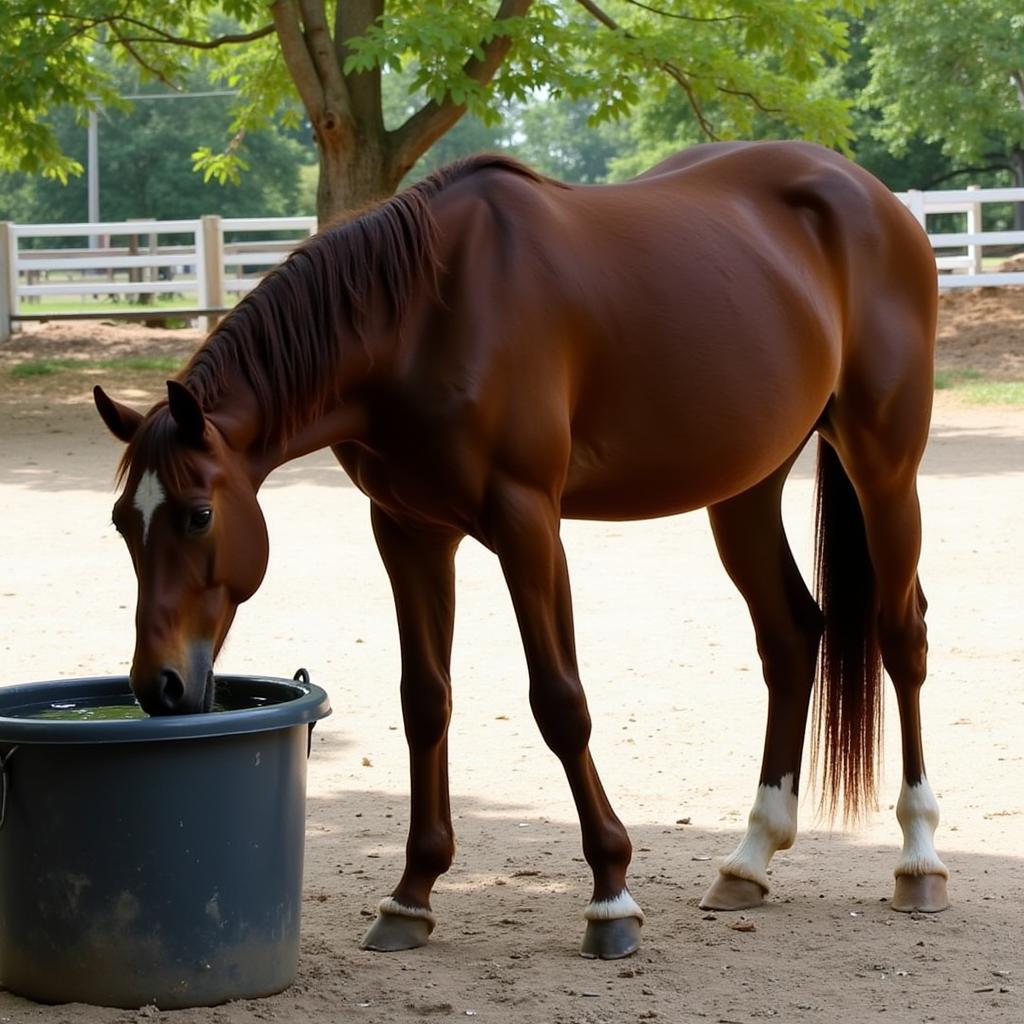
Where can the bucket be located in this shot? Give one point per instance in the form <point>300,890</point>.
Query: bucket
<point>153,860</point>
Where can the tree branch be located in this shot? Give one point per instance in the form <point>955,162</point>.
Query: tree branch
<point>321,49</point>
<point>159,75</point>
<point>964,170</point>
<point>160,35</point>
<point>353,18</point>
<point>605,19</point>
<point>672,70</point>
<point>297,59</point>
<point>684,17</point>
<point>197,44</point>
<point>432,120</point>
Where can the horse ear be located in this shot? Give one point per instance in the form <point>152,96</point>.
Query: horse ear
<point>120,420</point>
<point>186,412</point>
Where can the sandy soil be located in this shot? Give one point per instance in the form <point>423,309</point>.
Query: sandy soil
<point>667,654</point>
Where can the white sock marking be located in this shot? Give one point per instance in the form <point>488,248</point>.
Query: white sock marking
<point>770,827</point>
<point>389,905</point>
<point>917,811</point>
<point>149,496</point>
<point>615,909</point>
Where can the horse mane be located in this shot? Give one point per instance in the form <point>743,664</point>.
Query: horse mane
<point>286,337</point>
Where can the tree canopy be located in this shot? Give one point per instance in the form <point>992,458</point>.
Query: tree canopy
<point>952,76</point>
<point>145,161</point>
<point>733,63</point>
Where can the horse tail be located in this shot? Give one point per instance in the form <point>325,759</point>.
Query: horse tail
<point>848,690</point>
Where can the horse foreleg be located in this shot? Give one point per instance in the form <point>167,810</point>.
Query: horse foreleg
<point>421,566</point>
<point>523,530</point>
<point>788,624</point>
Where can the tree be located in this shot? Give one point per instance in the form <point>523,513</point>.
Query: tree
<point>146,167</point>
<point>952,76</point>
<point>745,58</point>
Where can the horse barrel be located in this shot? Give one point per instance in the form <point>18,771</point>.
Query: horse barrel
<point>153,860</point>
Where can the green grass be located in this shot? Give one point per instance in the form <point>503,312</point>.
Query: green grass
<point>946,379</point>
<point>45,367</point>
<point>78,303</point>
<point>995,392</point>
<point>975,388</point>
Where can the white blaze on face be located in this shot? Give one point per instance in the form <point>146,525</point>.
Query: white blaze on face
<point>149,496</point>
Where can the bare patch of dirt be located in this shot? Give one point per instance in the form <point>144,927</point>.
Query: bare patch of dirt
<point>982,329</point>
<point>673,680</point>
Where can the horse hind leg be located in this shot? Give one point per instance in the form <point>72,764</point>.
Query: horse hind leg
<point>752,543</point>
<point>892,519</point>
<point>880,452</point>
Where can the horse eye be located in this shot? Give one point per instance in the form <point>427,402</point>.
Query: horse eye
<point>199,519</point>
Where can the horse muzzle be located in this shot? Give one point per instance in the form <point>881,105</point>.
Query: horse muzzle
<point>171,692</point>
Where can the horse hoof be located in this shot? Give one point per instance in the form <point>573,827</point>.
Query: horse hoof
<point>925,893</point>
<point>611,940</point>
<point>392,932</point>
<point>727,892</point>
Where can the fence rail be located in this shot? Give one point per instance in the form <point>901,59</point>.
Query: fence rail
<point>195,260</point>
<point>203,261</point>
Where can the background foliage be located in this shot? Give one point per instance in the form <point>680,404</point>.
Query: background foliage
<point>928,95</point>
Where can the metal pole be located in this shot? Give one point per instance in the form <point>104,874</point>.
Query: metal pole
<point>93,173</point>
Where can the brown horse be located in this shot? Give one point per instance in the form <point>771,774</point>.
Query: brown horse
<point>490,351</point>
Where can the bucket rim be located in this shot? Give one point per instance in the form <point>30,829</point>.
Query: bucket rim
<point>308,703</point>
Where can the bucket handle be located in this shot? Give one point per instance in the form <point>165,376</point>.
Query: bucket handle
<point>301,676</point>
<point>4,759</point>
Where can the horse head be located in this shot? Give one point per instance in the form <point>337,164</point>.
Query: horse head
<point>196,535</point>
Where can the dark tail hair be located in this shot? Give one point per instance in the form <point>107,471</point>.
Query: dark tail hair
<point>848,690</point>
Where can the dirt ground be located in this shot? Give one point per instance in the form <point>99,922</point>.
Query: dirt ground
<point>668,658</point>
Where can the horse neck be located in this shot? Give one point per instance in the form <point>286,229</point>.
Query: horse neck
<point>241,419</point>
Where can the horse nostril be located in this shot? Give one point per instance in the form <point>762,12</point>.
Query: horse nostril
<point>172,688</point>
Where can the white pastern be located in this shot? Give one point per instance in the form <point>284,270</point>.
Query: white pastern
<point>389,905</point>
<point>615,909</point>
<point>917,811</point>
<point>770,827</point>
<point>149,496</point>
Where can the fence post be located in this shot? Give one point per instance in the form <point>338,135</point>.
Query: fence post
<point>974,226</point>
<point>915,199</point>
<point>211,268</point>
<point>8,278</point>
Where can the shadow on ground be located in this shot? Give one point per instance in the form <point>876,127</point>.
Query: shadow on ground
<point>825,947</point>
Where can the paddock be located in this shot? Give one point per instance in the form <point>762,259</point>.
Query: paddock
<point>678,707</point>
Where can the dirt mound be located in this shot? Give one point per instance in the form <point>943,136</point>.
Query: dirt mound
<point>982,329</point>
<point>1012,265</point>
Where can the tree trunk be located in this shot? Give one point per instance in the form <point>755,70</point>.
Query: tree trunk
<point>360,161</point>
<point>353,173</point>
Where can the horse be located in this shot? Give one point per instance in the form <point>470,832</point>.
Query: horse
<point>492,350</point>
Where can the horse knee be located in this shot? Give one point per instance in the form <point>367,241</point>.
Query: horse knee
<point>426,708</point>
<point>560,708</point>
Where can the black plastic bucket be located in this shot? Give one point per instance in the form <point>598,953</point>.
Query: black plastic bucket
<point>153,861</point>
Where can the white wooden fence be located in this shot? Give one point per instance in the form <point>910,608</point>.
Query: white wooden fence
<point>185,258</point>
<point>191,259</point>
<point>965,267</point>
